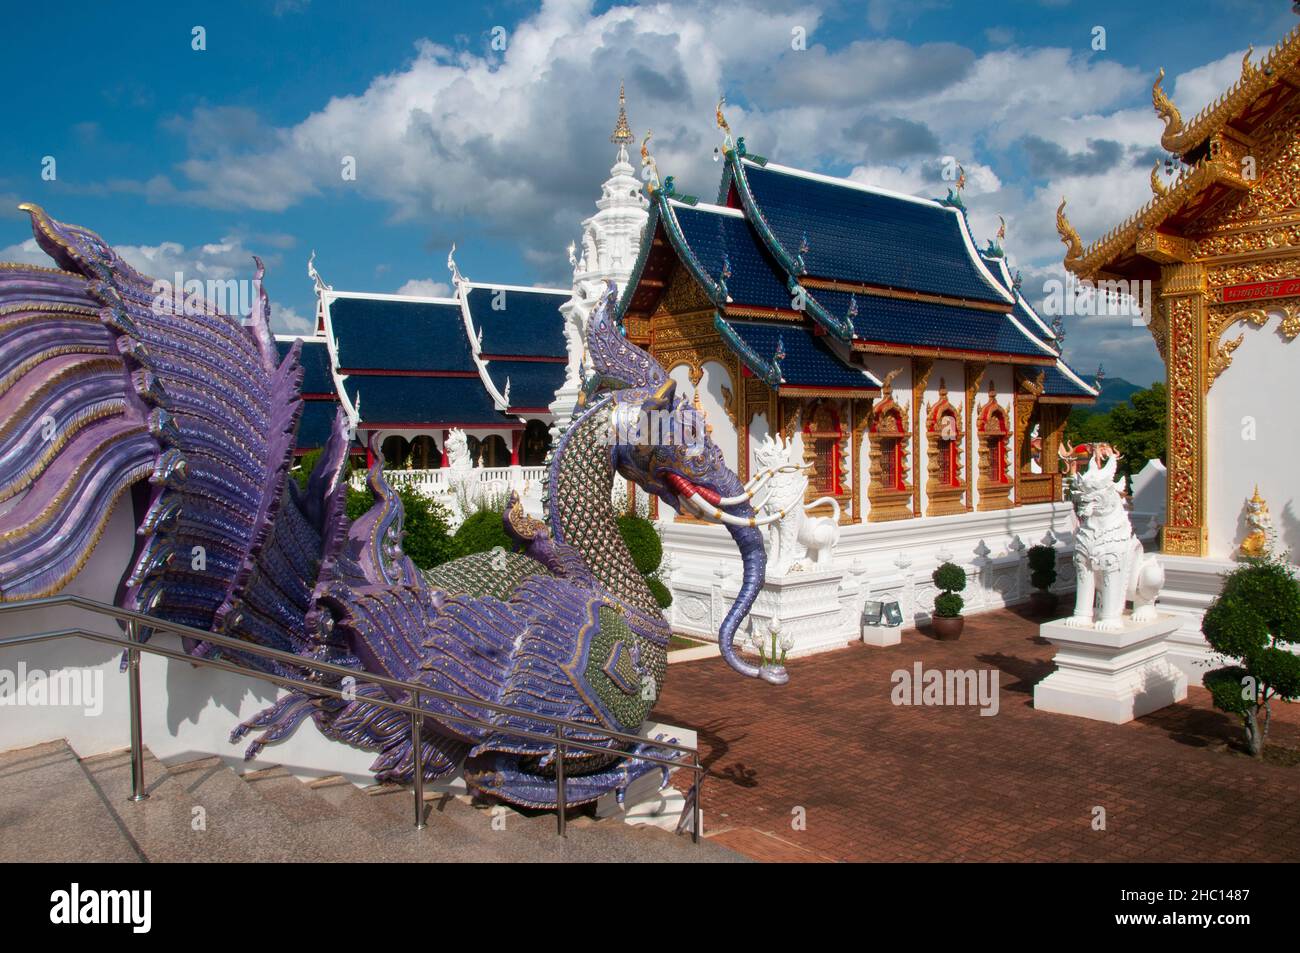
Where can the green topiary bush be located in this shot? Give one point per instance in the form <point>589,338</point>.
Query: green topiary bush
<point>661,593</point>
<point>1042,567</point>
<point>482,532</point>
<point>642,541</point>
<point>948,605</point>
<point>951,578</point>
<point>1256,614</point>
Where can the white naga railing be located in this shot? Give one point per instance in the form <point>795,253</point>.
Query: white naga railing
<point>481,483</point>
<point>442,480</point>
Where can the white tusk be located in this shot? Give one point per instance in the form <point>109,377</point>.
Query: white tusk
<point>708,510</point>
<point>751,488</point>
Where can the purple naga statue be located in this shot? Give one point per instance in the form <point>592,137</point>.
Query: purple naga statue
<point>108,386</point>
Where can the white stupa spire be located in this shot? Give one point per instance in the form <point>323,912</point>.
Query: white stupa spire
<point>611,242</point>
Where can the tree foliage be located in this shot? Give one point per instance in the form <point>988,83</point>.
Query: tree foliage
<point>1138,428</point>
<point>482,532</point>
<point>1255,616</point>
<point>1042,567</point>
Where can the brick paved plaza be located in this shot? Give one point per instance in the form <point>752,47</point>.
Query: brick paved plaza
<point>881,782</point>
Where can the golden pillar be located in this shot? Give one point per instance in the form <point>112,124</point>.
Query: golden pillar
<point>1183,300</point>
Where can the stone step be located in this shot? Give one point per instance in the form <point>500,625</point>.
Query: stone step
<point>235,824</point>
<point>51,810</point>
<point>53,807</point>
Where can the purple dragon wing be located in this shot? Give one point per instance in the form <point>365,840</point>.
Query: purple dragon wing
<point>108,378</point>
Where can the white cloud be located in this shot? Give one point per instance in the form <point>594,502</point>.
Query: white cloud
<point>517,141</point>
<point>425,288</point>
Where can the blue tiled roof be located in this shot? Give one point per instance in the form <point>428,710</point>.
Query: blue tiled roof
<point>528,325</point>
<point>1026,315</point>
<point>315,359</point>
<point>532,383</point>
<point>716,237</point>
<point>380,334</point>
<point>924,325</point>
<point>808,362</point>
<point>424,400</point>
<point>316,423</point>
<point>869,237</point>
<point>1056,383</point>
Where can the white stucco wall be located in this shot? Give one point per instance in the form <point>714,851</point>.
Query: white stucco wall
<point>1251,438</point>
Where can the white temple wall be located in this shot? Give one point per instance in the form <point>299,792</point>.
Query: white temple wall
<point>759,427</point>
<point>1250,438</point>
<point>713,401</point>
<point>862,477</point>
<point>887,560</point>
<point>187,711</point>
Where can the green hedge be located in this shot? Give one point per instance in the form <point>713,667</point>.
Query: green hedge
<point>642,541</point>
<point>1042,567</point>
<point>660,592</point>
<point>481,533</point>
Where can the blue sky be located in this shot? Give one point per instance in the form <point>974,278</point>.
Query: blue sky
<point>195,159</point>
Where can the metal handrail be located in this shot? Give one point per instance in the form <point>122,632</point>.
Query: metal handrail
<point>135,621</point>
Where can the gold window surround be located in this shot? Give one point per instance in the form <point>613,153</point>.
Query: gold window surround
<point>994,434</point>
<point>888,432</point>
<point>945,495</point>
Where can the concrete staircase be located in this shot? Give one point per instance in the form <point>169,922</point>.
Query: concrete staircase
<point>56,807</point>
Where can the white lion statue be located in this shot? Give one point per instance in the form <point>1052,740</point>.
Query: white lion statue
<point>797,534</point>
<point>1107,556</point>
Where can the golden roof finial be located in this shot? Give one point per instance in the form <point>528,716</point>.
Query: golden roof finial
<point>1002,228</point>
<point>622,132</point>
<point>1166,110</point>
<point>1157,187</point>
<point>647,160</point>
<point>1070,237</point>
<point>727,141</point>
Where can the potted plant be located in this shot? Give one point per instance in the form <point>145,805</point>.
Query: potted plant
<point>1042,575</point>
<point>947,620</point>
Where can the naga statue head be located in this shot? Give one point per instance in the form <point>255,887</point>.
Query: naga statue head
<point>660,441</point>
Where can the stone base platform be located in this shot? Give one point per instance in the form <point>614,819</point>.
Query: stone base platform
<point>1111,676</point>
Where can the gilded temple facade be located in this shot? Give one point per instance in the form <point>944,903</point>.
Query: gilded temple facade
<point>864,323</point>
<point>1219,246</point>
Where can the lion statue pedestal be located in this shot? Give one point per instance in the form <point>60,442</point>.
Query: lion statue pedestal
<point>1113,664</point>
<point>1112,675</point>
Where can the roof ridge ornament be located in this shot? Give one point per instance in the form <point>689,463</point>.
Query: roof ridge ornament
<point>1166,110</point>
<point>728,143</point>
<point>1070,237</point>
<point>1158,187</point>
<point>314,275</point>
<point>649,168</point>
<point>994,249</point>
<point>456,277</point>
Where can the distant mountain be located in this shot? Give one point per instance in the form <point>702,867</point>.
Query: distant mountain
<point>1114,391</point>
